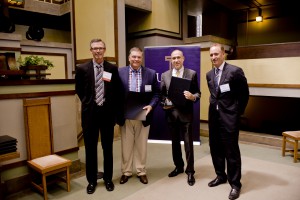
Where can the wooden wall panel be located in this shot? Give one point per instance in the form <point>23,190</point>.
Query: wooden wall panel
<point>268,51</point>
<point>94,19</point>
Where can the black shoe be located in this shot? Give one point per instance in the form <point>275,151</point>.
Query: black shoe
<point>217,181</point>
<point>100,175</point>
<point>124,179</point>
<point>109,185</point>
<point>234,194</point>
<point>191,180</point>
<point>91,188</point>
<point>143,179</point>
<point>175,172</point>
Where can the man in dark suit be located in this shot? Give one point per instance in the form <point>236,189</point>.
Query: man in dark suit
<point>180,118</point>
<point>98,86</point>
<point>142,83</point>
<point>229,94</point>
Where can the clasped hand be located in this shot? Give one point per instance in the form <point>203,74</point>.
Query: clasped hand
<point>189,95</point>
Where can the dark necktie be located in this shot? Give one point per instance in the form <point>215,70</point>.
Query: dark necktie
<point>216,78</point>
<point>99,86</point>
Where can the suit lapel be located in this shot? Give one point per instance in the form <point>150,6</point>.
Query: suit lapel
<point>222,79</point>
<point>126,77</point>
<point>169,75</point>
<point>105,69</point>
<point>224,74</point>
<point>212,77</point>
<point>184,75</point>
<point>144,78</point>
<point>91,73</point>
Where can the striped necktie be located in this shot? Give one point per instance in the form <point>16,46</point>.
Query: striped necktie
<point>216,79</point>
<point>99,85</point>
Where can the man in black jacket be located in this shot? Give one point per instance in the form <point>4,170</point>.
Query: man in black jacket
<point>180,118</point>
<point>98,87</point>
<point>229,94</point>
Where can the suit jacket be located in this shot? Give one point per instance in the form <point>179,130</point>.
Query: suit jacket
<point>185,113</point>
<point>85,89</point>
<point>232,103</point>
<point>151,98</point>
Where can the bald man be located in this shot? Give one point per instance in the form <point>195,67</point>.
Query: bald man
<point>180,118</point>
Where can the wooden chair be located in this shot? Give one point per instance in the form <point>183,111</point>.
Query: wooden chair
<point>291,137</point>
<point>40,156</point>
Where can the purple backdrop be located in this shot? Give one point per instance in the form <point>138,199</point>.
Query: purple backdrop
<point>158,58</point>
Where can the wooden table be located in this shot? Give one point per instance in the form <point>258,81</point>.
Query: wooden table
<point>9,156</point>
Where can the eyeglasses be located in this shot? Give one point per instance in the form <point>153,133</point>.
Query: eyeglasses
<point>98,48</point>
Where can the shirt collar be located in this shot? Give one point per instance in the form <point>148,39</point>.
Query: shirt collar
<point>97,64</point>
<point>138,70</point>
<point>180,70</point>
<point>221,66</point>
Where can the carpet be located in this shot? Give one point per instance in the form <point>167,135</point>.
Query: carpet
<point>275,179</point>
<point>262,180</point>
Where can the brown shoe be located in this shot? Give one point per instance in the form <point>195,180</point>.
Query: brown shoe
<point>124,179</point>
<point>143,179</point>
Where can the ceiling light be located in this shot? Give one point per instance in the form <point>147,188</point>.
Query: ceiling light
<point>259,18</point>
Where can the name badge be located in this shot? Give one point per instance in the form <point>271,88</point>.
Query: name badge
<point>224,88</point>
<point>148,88</point>
<point>106,76</point>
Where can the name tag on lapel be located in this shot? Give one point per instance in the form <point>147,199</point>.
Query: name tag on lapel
<point>107,76</point>
<point>224,88</point>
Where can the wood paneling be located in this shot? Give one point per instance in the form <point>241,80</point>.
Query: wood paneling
<point>36,94</point>
<point>274,85</point>
<point>268,51</point>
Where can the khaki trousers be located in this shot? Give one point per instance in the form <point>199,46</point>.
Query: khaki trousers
<point>134,138</point>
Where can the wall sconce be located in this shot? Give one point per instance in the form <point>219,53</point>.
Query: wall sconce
<point>259,18</point>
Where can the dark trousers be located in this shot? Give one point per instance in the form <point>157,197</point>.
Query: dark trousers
<point>182,129</point>
<point>103,123</point>
<point>224,148</point>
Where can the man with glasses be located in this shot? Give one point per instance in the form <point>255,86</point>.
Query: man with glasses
<point>98,88</point>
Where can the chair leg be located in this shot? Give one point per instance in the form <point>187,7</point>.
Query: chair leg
<point>68,179</point>
<point>283,145</point>
<point>45,187</point>
<point>296,151</point>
